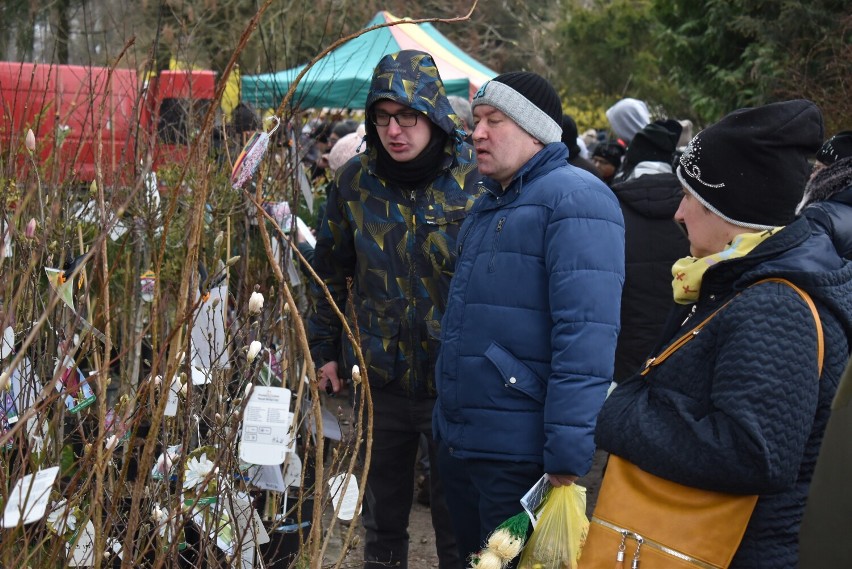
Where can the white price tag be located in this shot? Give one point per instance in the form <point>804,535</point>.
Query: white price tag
<point>83,554</point>
<point>347,497</point>
<point>28,498</point>
<point>200,376</point>
<point>293,471</point>
<point>172,402</point>
<point>267,477</point>
<point>265,424</point>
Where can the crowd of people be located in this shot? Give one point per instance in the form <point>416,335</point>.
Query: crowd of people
<point>529,300</point>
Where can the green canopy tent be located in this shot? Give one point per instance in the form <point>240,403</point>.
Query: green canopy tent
<point>341,79</point>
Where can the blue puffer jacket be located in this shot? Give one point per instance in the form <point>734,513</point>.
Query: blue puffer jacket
<point>528,338</point>
<point>740,408</point>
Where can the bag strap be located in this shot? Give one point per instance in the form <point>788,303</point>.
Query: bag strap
<point>679,343</point>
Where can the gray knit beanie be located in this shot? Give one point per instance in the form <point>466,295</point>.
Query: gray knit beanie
<point>528,99</point>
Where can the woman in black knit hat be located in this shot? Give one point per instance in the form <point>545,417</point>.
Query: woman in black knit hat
<point>741,407</point>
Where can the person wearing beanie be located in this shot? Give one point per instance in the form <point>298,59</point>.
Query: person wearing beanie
<point>607,158</point>
<point>837,147</point>
<point>572,141</point>
<point>627,117</point>
<point>343,150</point>
<point>741,407</point>
<point>651,151</point>
<point>649,198</point>
<point>389,235</point>
<point>529,333</point>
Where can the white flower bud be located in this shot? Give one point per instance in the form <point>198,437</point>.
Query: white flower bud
<point>4,380</point>
<point>356,375</point>
<point>254,349</point>
<point>218,241</point>
<point>255,303</point>
<point>29,142</point>
<point>249,387</point>
<point>111,442</point>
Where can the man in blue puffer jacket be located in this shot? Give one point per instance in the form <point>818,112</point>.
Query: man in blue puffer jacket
<point>390,229</point>
<point>529,333</point>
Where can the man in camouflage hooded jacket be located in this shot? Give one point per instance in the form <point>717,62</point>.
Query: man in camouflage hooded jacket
<point>393,216</point>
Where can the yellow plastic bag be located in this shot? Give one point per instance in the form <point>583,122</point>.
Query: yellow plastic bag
<point>560,531</point>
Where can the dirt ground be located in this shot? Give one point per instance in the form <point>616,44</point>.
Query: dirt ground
<point>421,554</point>
<point>421,551</point>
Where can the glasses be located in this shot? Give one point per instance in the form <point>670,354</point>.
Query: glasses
<point>403,119</point>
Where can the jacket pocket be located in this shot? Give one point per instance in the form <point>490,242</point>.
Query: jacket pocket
<point>379,324</point>
<point>442,230</point>
<point>516,375</point>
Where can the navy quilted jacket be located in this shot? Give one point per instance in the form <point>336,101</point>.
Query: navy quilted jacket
<point>834,217</point>
<point>528,338</point>
<point>740,408</point>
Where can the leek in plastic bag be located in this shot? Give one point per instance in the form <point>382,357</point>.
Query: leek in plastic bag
<point>560,531</point>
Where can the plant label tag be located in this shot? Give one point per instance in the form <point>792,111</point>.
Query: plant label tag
<point>293,471</point>
<point>75,389</point>
<point>267,477</point>
<point>200,376</point>
<point>172,402</point>
<point>7,344</point>
<point>266,422</point>
<point>344,495</point>
<point>83,554</point>
<point>27,501</point>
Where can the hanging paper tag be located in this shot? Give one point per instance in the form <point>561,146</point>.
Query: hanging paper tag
<point>293,471</point>
<point>200,376</point>
<point>347,498</point>
<point>172,402</point>
<point>248,525</point>
<point>28,499</point>
<point>265,425</point>
<point>209,342</point>
<point>75,388</point>
<point>267,477</point>
<point>83,554</point>
<point>7,343</point>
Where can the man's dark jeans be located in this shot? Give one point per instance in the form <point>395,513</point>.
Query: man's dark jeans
<point>482,494</point>
<point>398,422</point>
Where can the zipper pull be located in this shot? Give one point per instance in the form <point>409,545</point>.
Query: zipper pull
<point>619,557</point>
<point>639,541</point>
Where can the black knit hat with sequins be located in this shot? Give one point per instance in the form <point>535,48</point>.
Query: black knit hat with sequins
<point>750,168</point>
<point>837,147</point>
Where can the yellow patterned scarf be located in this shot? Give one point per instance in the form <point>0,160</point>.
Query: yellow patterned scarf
<point>689,271</point>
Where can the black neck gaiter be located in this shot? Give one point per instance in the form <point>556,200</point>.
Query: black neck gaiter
<point>417,171</point>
